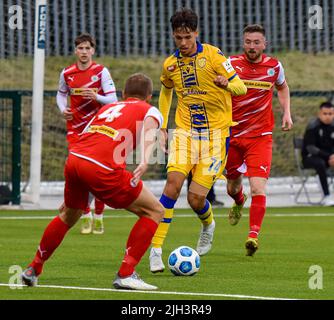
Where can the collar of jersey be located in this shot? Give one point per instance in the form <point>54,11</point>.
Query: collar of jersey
<point>178,54</point>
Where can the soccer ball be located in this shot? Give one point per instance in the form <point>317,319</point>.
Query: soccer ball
<point>184,261</point>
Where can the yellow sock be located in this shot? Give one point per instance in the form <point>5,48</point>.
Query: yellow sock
<point>161,233</point>
<point>206,214</point>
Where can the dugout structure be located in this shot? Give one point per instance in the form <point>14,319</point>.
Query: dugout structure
<point>10,148</point>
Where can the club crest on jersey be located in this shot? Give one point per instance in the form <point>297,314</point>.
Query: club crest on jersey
<point>171,68</point>
<point>201,62</point>
<point>94,78</point>
<point>271,72</point>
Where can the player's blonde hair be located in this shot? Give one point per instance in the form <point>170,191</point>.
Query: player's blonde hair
<point>138,85</point>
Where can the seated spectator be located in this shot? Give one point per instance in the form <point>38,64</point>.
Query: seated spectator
<point>318,147</point>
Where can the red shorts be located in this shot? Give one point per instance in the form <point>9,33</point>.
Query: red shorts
<point>111,187</point>
<point>251,156</point>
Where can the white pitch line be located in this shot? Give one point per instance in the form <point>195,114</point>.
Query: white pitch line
<point>126,216</point>
<point>236,296</point>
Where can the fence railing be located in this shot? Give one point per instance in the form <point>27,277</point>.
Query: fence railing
<point>141,27</point>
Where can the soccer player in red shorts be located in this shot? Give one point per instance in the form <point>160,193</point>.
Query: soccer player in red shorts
<point>96,164</point>
<point>89,86</point>
<point>250,150</point>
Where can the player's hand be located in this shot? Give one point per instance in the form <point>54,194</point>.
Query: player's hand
<point>137,174</point>
<point>68,114</point>
<point>221,82</point>
<point>88,93</point>
<point>163,137</point>
<point>287,122</point>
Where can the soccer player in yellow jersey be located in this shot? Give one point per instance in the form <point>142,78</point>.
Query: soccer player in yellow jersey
<point>204,81</point>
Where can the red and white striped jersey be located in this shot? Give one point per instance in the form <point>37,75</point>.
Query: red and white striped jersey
<point>253,111</point>
<point>73,80</point>
<point>114,132</point>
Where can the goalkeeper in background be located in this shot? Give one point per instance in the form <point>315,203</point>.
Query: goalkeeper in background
<point>204,81</point>
<point>89,86</point>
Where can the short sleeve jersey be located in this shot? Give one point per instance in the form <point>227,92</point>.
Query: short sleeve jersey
<point>113,133</point>
<point>253,111</point>
<point>201,105</point>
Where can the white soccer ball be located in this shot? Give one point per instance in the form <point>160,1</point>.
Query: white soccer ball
<point>184,261</point>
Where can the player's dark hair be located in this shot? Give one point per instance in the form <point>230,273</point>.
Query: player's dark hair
<point>251,28</point>
<point>83,38</point>
<point>326,104</point>
<point>138,86</point>
<point>184,19</point>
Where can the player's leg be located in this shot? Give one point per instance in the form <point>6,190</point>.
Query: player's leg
<point>178,167</point>
<point>87,218</point>
<point>235,191</point>
<point>168,199</point>
<point>256,213</point>
<point>150,212</point>
<point>235,167</point>
<point>258,169</point>
<point>76,196</point>
<point>202,207</point>
<point>212,161</point>
<point>98,226</point>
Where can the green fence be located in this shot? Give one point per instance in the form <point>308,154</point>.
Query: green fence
<point>10,148</point>
<point>15,114</point>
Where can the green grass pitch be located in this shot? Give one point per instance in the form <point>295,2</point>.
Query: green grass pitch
<point>292,240</point>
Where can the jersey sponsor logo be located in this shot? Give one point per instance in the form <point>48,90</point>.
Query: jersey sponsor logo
<point>78,91</point>
<point>188,73</point>
<point>201,62</point>
<point>108,131</point>
<point>71,78</point>
<point>253,84</point>
<point>171,68</point>
<point>228,67</point>
<point>271,72</point>
<point>190,92</point>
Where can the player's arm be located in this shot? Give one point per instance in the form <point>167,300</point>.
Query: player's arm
<point>283,94</point>
<point>61,98</point>
<point>152,123</point>
<point>165,102</point>
<point>227,77</point>
<point>108,87</point>
<point>235,85</point>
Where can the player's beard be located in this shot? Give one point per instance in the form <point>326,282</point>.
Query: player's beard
<point>253,55</point>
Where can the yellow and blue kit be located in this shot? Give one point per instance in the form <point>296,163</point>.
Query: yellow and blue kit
<point>204,111</point>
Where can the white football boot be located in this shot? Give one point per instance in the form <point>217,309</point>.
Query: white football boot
<point>156,263</point>
<point>132,282</point>
<point>205,238</point>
